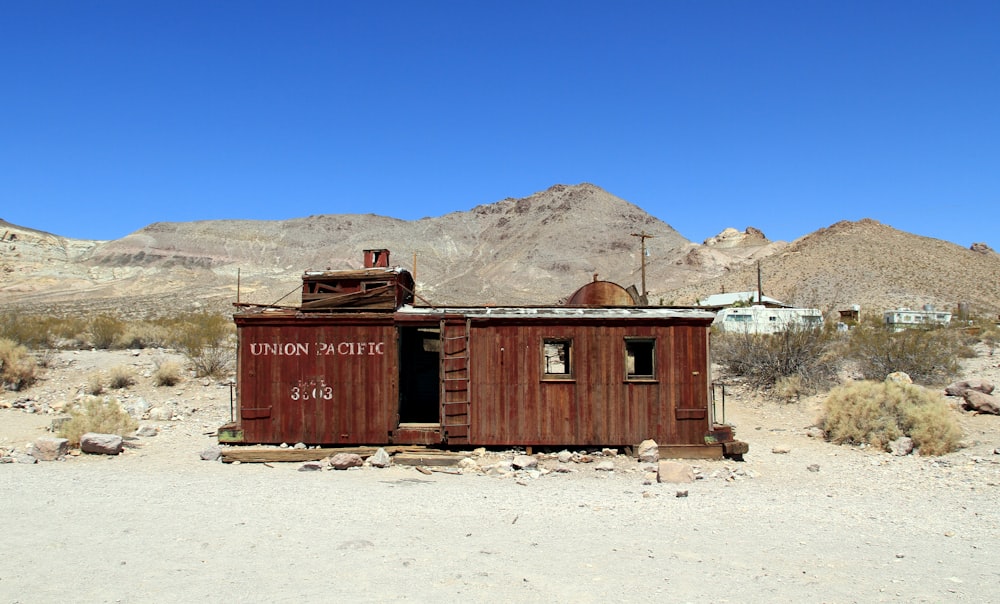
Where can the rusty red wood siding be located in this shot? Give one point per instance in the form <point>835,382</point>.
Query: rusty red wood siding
<point>317,380</point>
<point>513,402</point>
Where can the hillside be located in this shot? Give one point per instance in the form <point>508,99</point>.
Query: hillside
<point>533,250</point>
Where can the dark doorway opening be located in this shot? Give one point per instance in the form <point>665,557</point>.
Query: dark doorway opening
<point>420,349</point>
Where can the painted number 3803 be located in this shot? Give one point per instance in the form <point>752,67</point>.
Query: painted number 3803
<point>305,391</point>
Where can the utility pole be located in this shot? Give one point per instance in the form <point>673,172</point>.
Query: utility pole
<point>643,236</point>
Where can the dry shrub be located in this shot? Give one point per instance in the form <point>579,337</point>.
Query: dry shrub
<point>121,377</point>
<point>928,356</point>
<point>143,334</point>
<point>95,384</point>
<point>206,340</point>
<point>18,369</point>
<point>102,415</point>
<point>878,413</point>
<point>105,331</point>
<point>168,373</point>
<point>801,354</point>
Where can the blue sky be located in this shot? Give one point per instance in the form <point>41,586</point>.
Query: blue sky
<point>785,116</point>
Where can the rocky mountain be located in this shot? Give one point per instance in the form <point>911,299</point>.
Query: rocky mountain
<point>533,250</point>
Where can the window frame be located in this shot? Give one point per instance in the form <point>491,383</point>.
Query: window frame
<point>566,343</point>
<point>633,376</point>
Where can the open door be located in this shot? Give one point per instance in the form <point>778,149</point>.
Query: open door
<point>419,405</point>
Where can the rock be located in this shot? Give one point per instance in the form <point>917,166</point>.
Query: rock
<point>901,446</point>
<point>980,402</point>
<point>899,377</point>
<point>159,414</point>
<point>605,466</point>
<point>649,451</point>
<point>467,464</point>
<point>138,408</point>
<point>609,452</point>
<point>582,458</point>
<point>48,449</point>
<point>674,472</point>
<point>959,388</point>
<point>147,431</point>
<point>813,467</point>
<point>101,444</point>
<point>565,456</point>
<point>981,248</point>
<point>524,462</point>
<point>815,432</point>
<point>211,454</point>
<point>24,458</point>
<point>381,459</point>
<point>343,461</point>
<point>311,466</point>
<point>682,494</point>
<point>299,446</point>
<point>781,449</point>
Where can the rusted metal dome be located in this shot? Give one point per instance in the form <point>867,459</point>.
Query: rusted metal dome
<point>601,293</point>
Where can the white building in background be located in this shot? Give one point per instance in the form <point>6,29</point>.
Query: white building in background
<point>903,318</point>
<point>761,319</point>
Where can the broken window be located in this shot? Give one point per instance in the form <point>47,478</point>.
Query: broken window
<point>557,357</point>
<point>640,358</point>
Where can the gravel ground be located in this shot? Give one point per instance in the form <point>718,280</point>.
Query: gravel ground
<point>820,523</point>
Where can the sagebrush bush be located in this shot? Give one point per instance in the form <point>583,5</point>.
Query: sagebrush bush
<point>121,376</point>
<point>928,356</point>
<point>800,353</point>
<point>206,340</point>
<point>878,413</point>
<point>168,373</point>
<point>102,415</point>
<point>105,330</point>
<point>95,383</point>
<point>18,369</point>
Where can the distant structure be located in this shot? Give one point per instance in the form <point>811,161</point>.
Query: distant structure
<point>719,301</point>
<point>905,318</point>
<point>758,319</point>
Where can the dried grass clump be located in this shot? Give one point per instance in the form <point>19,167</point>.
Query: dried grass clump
<point>95,384</point>
<point>102,415</point>
<point>878,413</point>
<point>18,369</point>
<point>105,330</point>
<point>206,339</point>
<point>121,377</point>
<point>168,373</point>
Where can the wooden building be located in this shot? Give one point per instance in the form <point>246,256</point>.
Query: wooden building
<point>470,376</point>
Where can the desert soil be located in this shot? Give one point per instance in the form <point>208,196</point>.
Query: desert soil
<point>818,523</point>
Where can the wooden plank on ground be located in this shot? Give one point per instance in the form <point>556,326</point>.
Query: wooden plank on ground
<point>428,458</point>
<point>691,451</point>
<point>275,454</point>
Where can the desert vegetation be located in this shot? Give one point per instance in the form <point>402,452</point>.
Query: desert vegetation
<point>97,414</point>
<point>206,339</point>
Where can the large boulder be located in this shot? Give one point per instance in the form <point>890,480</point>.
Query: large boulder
<point>649,451</point>
<point>980,402</point>
<point>101,444</point>
<point>343,461</point>
<point>48,449</point>
<point>959,388</point>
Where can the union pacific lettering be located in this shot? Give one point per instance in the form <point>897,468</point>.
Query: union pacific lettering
<point>291,349</point>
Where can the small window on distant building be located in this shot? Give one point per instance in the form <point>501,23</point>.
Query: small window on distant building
<point>557,358</point>
<point>640,358</point>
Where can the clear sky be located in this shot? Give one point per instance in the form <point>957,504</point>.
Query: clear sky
<point>785,116</point>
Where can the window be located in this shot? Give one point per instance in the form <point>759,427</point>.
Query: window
<point>640,358</point>
<point>557,358</point>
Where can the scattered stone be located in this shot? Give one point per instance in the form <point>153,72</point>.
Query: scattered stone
<point>582,458</point>
<point>343,461</point>
<point>565,456</point>
<point>24,458</point>
<point>381,459</point>
<point>605,466</point>
<point>674,472</point>
<point>311,466</point>
<point>467,464</point>
<point>901,446</point>
<point>101,444</point>
<point>899,377</point>
<point>58,423</point>
<point>138,408</point>
<point>524,462</point>
<point>815,432</point>
<point>159,414</point>
<point>959,388</point>
<point>781,449</point>
<point>563,468</point>
<point>980,402</point>
<point>609,452</point>
<point>813,467</point>
<point>299,446</point>
<point>649,451</point>
<point>147,431</point>
<point>682,494</point>
<point>211,454</point>
<point>48,449</point>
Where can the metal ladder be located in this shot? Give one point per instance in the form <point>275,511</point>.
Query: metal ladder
<point>455,377</point>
